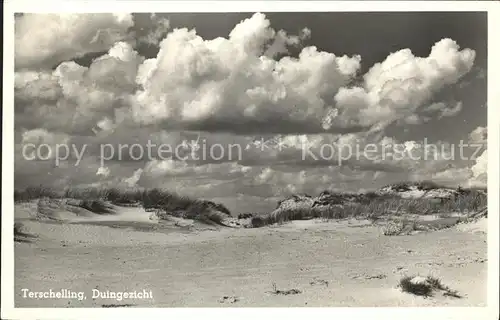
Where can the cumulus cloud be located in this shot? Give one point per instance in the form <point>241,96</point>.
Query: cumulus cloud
<point>283,41</point>
<point>479,135</point>
<point>103,171</point>
<point>452,176</point>
<point>398,86</point>
<point>230,83</point>
<point>132,180</point>
<point>237,84</point>
<point>160,26</point>
<point>480,167</point>
<point>167,167</point>
<point>41,143</point>
<point>451,112</point>
<point>244,89</point>
<point>443,110</point>
<point>281,181</point>
<point>40,136</point>
<point>74,98</point>
<point>44,40</point>
<point>197,82</point>
<point>474,174</point>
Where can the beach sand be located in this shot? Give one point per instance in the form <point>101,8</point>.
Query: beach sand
<point>330,264</point>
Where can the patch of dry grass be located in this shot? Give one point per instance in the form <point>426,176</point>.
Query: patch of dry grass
<point>328,205</point>
<point>393,228</point>
<point>425,287</point>
<point>196,210</point>
<point>246,215</point>
<point>407,284</point>
<point>169,203</point>
<point>373,206</point>
<point>421,185</point>
<point>18,228</point>
<point>320,282</point>
<point>21,234</point>
<point>35,192</point>
<point>468,200</point>
<point>96,206</point>
<point>165,202</point>
<point>229,299</point>
<point>277,291</point>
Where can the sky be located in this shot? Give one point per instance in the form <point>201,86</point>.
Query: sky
<point>250,107</point>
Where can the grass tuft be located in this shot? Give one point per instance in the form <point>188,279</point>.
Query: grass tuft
<point>425,287</point>
<point>330,205</point>
<point>163,201</point>
<point>246,215</point>
<point>276,291</point>
<point>96,206</point>
<point>21,234</point>
<point>18,229</point>
<point>419,289</point>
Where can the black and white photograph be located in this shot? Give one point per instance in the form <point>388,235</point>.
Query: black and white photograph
<point>249,159</point>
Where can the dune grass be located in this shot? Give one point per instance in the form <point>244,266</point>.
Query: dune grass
<point>163,202</point>
<point>21,234</point>
<point>425,287</point>
<point>96,206</point>
<point>421,185</point>
<point>328,205</point>
<point>35,192</point>
<point>419,289</point>
<point>276,291</point>
<point>18,228</point>
<point>372,206</point>
<point>19,231</point>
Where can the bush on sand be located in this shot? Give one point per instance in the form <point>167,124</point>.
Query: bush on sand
<point>425,286</point>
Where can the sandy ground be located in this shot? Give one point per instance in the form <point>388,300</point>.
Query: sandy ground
<point>347,263</point>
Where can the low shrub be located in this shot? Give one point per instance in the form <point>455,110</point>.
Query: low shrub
<point>96,206</point>
<point>258,222</point>
<point>245,215</point>
<point>419,288</point>
<point>425,287</point>
<point>35,192</point>
<point>393,228</point>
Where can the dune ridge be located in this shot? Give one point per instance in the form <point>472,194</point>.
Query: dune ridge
<point>377,245</point>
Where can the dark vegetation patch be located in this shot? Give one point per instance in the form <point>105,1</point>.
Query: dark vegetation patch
<point>425,287</point>
<point>277,291</point>
<point>327,205</point>
<point>21,235</point>
<point>373,205</point>
<point>163,202</point>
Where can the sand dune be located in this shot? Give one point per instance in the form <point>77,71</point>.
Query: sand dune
<point>200,265</point>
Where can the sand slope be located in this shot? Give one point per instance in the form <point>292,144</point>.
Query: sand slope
<point>346,263</point>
